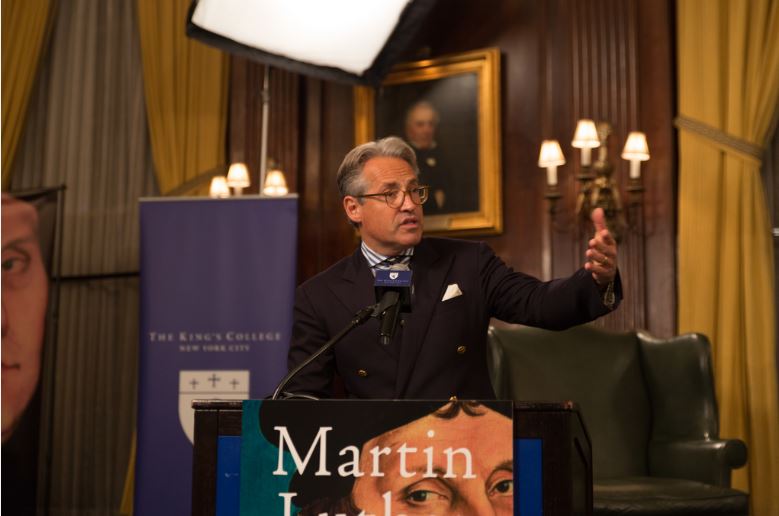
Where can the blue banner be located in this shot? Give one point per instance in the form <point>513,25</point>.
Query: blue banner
<point>217,287</point>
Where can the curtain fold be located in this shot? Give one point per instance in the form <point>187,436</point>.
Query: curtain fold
<point>186,95</point>
<point>87,129</point>
<point>728,59</point>
<point>24,29</point>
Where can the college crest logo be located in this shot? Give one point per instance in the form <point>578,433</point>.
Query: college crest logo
<point>206,385</point>
<point>393,275</point>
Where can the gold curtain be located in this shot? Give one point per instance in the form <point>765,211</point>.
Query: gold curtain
<point>728,58</point>
<point>24,28</point>
<point>86,128</point>
<point>185,83</point>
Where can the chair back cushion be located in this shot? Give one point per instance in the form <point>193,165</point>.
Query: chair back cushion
<point>680,381</point>
<point>600,371</point>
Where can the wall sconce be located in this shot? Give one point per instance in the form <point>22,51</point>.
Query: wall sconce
<point>586,139</point>
<point>219,188</point>
<point>238,177</point>
<point>597,187</point>
<point>551,157</point>
<point>636,150</point>
<point>275,184</point>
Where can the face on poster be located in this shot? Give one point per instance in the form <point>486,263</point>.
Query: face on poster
<point>24,300</point>
<point>419,475</point>
<point>407,457</point>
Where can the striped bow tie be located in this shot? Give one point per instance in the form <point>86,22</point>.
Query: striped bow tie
<point>392,260</point>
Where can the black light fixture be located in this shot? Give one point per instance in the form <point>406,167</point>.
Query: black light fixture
<point>355,41</point>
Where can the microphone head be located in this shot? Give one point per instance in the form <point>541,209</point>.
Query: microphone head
<point>393,278</point>
<point>398,279</point>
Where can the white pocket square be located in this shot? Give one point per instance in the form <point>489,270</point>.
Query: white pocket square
<point>452,291</point>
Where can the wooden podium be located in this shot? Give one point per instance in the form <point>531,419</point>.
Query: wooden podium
<point>566,457</point>
<point>552,459</point>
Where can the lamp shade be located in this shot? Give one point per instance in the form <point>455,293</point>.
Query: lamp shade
<point>275,184</point>
<point>551,154</point>
<point>347,40</point>
<point>238,176</point>
<point>219,188</point>
<point>586,135</point>
<point>636,147</point>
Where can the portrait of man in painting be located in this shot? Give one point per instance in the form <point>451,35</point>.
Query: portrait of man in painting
<point>439,119</point>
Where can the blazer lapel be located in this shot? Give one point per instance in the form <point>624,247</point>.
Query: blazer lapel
<point>430,271</point>
<point>356,292</point>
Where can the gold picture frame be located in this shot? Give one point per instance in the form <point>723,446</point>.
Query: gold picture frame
<point>461,94</point>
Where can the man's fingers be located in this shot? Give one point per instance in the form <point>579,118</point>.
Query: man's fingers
<point>596,268</point>
<point>600,273</point>
<point>605,235</point>
<point>603,248</point>
<point>598,220</point>
<point>601,229</point>
<point>598,257</point>
<point>602,252</point>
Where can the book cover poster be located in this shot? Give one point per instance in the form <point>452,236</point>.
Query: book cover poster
<point>31,222</point>
<point>377,458</point>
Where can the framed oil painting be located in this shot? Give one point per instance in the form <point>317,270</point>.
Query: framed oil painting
<point>448,110</point>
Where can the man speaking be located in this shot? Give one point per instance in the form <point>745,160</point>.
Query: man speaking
<point>438,350</point>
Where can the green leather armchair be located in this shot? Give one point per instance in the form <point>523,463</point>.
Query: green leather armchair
<point>649,408</point>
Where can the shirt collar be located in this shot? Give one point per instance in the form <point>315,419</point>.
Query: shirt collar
<point>375,258</point>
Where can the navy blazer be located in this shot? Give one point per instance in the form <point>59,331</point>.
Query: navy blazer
<point>439,350</point>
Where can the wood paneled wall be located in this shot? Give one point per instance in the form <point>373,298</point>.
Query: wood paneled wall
<point>561,60</point>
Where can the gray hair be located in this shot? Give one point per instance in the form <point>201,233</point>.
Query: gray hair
<point>350,172</point>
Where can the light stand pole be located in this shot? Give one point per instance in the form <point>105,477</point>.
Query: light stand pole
<point>264,135</point>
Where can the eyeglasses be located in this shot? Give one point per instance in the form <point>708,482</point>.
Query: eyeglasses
<point>396,198</point>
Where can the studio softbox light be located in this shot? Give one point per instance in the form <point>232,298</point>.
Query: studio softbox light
<point>354,41</point>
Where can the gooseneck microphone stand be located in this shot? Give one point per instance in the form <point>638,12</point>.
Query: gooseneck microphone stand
<point>389,300</point>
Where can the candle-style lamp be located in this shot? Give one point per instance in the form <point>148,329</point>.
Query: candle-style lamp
<point>219,188</point>
<point>585,138</point>
<point>275,184</point>
<point>636,150</point>
<point>551,157</point>
<point>238,177</point>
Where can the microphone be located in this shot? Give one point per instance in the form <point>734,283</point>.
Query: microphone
<point>393,293</point>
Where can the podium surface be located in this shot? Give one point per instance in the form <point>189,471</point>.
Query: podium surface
<point>552,458</point>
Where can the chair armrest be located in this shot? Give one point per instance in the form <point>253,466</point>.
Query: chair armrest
<point>497,366</point>
<point>709,461</point>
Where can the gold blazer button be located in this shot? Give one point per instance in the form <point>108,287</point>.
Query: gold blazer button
<point>362,372</point>
<point>461,349</point>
